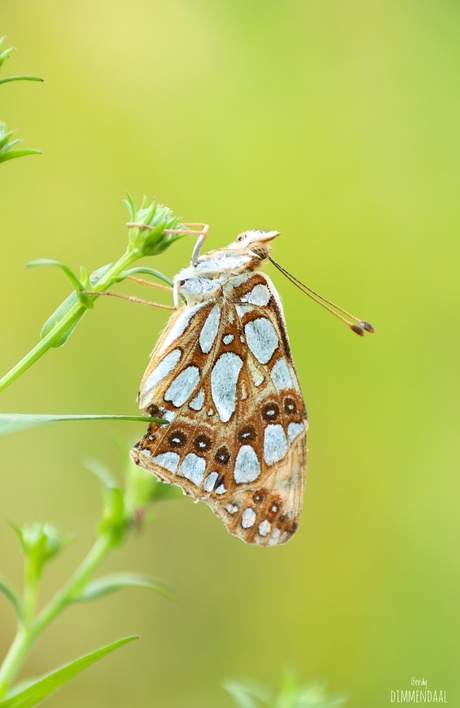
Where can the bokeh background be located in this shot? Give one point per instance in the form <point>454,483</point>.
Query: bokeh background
<point>338,124</point>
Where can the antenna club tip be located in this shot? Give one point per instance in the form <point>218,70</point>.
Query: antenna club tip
<point>357,329</point>
<point>367,326</point>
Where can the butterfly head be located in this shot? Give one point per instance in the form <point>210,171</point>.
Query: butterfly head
<point>203,280</point>
<point>255,243</point>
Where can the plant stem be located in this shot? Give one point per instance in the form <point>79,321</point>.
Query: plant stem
<point>28,634</point>
<point>14,659</point>
<point>72,316</point>
<point>74,586</point>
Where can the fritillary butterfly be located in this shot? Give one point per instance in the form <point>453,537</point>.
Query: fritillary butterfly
<point>223,375</point>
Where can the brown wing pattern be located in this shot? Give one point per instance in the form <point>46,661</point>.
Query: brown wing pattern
<point>223,374</point>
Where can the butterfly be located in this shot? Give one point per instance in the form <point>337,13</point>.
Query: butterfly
<point>223,376</point>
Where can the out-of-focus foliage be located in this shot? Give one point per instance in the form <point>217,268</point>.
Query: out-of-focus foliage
<point>122,510</point>
<point>292,695</point>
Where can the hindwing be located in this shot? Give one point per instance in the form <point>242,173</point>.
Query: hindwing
<point>222,374</point>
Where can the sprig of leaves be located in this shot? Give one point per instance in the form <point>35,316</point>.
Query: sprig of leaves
<point>149,233</point>
<point>6,142</point>
<point>122,509</point>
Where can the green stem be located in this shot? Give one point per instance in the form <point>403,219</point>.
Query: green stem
<point>15,658</point>
<point>74,586</point>
<point>27,635</point>
<point>73,315</point>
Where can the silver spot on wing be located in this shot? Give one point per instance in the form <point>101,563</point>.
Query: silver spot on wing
<point>259,295</point>
<point>209,330</point>
<point>294,429</point>
<point>168,460</point>
<point>161,370</point>
<point>224,378</point>
<point>198,401</point>
<point>248,518</point>
<point>192,468</point>
<point>262,338</point>
<point>180,325</point>
<point>247,467</point>
<point>183,386</point>
<point>281,375</point>
<point>275,444</point>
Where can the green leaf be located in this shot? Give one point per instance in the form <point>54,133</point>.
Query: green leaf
<point>18,153</point>
<point>129,201</point>
<point>6,52</point>
<point>12,597</point>
<point>34,693</point>
<point>4,55</point>
<point>6,144</point>
<point>67,305</point>
<point>39,262</point>
<point>146,271</point>
<point>10,424</point>
<point>22,77</point>
<point>14,422</point>
<point>117,581</point>
<point>83,299</point>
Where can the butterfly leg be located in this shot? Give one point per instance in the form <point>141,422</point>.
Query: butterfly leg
<point>131,298</point>
<point>199,242</point>
<point>142,281</point>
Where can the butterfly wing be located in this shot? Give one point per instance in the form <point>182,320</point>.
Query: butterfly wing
<point>222,374</point>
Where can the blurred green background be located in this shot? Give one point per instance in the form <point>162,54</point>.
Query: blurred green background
<point>338,124</point>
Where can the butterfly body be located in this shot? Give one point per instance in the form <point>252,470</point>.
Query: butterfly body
<point>222,374</point>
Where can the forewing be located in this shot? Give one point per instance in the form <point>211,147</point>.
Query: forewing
<point>236,437</point>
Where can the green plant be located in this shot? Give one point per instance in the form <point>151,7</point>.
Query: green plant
<point>6,153</point>
<point>152,229</point>
<point>122,510</point>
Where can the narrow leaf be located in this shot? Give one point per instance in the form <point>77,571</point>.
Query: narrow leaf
<point>35,692</point>
<point>12,597</point>
<point>111,583</point>
<point>65,306</point>
<point>4,137</point>
<point>22,77</point>
<point>50,262</point>
<point>146,271</point>
<point>8,426</point>
<point>14,422</point>
<point>17,153</point>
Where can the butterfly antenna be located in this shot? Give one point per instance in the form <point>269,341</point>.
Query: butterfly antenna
<point>358,326</point>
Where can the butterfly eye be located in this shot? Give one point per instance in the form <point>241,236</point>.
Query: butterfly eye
<point>182,282</point>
